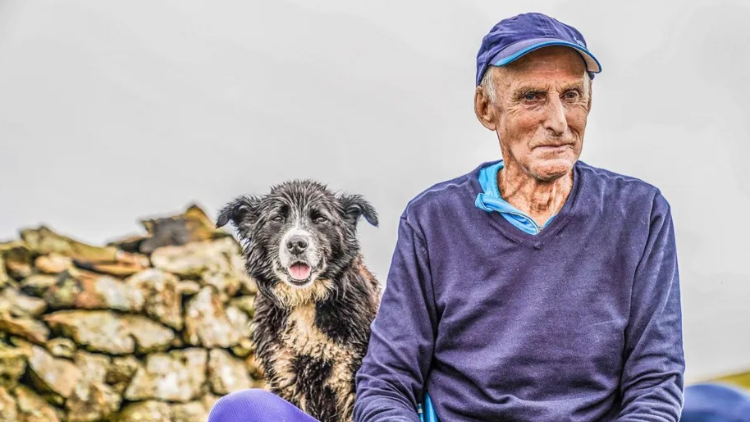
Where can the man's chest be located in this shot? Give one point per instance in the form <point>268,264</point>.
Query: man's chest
<point>510,309</point>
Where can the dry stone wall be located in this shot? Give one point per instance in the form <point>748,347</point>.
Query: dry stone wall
<point>151,328</point>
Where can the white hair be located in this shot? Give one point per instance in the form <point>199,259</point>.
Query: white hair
<point>488,84</point>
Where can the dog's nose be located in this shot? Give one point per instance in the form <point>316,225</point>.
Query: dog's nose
<point>296,244</point>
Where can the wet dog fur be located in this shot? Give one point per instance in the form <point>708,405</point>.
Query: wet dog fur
<point>317,298</point>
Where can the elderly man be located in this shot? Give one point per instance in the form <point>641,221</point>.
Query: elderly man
<point>536,288</point>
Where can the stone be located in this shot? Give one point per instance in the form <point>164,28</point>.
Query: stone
<point>226,373</point>
<point>149,336</point>
<point>207,324</point>
<point>177,376</point>
<point>195,411</point>
<point>61,347</point>
<point>162,298</point>
<point>121,372</point>
<point>24,327</point>
<point>118,269</point>
<point>4,277</point>
<point>6,246</point>
<point>33,408</point>
<point>18,264</point>
<point>21,305</point>
<point>101,331</point>
<point>243,349</point>
<point>37,284</point>
<point>44,241</point>
<point>246,304</point>
<point>147,411</point>
<point>48,374</point>
<point>94,367</point>
<point>188,288</point>
<point>92,400</point>
<point>177,343</point>
<point>12,365</point>
<point>192,226</point>
<point>240,321</point>
<point>92,291</point>
<point>109,259</point>
<point>53,263</point>
<point>108,332</point>
<point>216,262</point>
<point>189,261</point>
<point>226,284</point>
<point>129,244</point>
<point>8,409</point>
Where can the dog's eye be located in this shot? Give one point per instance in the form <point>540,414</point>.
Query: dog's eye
<point>278,219</point>
<point>319,220</point>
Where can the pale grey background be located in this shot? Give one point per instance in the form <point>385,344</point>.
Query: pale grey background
<point>112,111</point>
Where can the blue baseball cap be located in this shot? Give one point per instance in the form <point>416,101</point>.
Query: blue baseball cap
<point>514,37</point>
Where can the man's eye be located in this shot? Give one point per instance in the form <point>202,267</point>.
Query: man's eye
<point>532,96</point>
<point>571,95</point>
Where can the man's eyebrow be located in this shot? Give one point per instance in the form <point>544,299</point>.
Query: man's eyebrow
<point>539,88</point>
<point>529,88</point>
<point>577,84</point>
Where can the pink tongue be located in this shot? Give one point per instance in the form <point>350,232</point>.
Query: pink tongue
<point>300,271</point>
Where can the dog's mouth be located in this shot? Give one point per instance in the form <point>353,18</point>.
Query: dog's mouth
<point>299,273</point>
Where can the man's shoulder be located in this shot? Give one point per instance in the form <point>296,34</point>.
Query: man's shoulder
<point>450,194</point>
<point>614,187</point>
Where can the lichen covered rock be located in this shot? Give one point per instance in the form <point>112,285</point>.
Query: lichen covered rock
<point>177,376</point>
<point>162,297</point>
<point>32,407</point>
<point>108,332</point>
<point>207,323</point>
<point>226,373</point>
<point>52,375</point>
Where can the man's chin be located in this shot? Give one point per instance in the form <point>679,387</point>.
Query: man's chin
<point>551,169</point>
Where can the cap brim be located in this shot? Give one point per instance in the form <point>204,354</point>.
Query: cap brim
<point>515,51</point>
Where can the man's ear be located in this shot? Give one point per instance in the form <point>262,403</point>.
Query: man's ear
<point>355,206</point>
<point>242,212</point>
<point>483,109</point>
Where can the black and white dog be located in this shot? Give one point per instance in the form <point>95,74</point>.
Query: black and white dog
<point>317,298</point>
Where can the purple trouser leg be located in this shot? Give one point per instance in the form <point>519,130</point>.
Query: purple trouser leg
<point>256,405</point>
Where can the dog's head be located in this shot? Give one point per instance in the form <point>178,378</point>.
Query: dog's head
<point>300,235</point>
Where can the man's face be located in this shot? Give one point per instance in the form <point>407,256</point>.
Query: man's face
<point>540,111</point>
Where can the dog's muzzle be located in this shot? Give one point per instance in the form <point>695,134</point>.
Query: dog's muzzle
<point>298,257</point>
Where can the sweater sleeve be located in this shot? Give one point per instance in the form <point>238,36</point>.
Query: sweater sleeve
<point>391,379</point>
<point>652,378</point>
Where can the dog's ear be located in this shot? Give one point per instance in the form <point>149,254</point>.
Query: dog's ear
<point>356,206</point>
<point>242,212</point>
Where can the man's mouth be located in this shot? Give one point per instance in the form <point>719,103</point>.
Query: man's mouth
<point>299,272</point>
<point>553,146</point>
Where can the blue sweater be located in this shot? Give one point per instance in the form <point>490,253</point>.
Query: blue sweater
<point>581,322</point>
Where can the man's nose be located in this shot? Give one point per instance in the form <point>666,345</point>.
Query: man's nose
<point>556,121</point>
<point>296,244</point>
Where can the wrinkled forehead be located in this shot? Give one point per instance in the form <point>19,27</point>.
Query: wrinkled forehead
<point>550,59</point>
<point>546,67</point>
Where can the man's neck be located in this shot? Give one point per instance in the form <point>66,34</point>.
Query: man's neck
<point>538,199</point>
